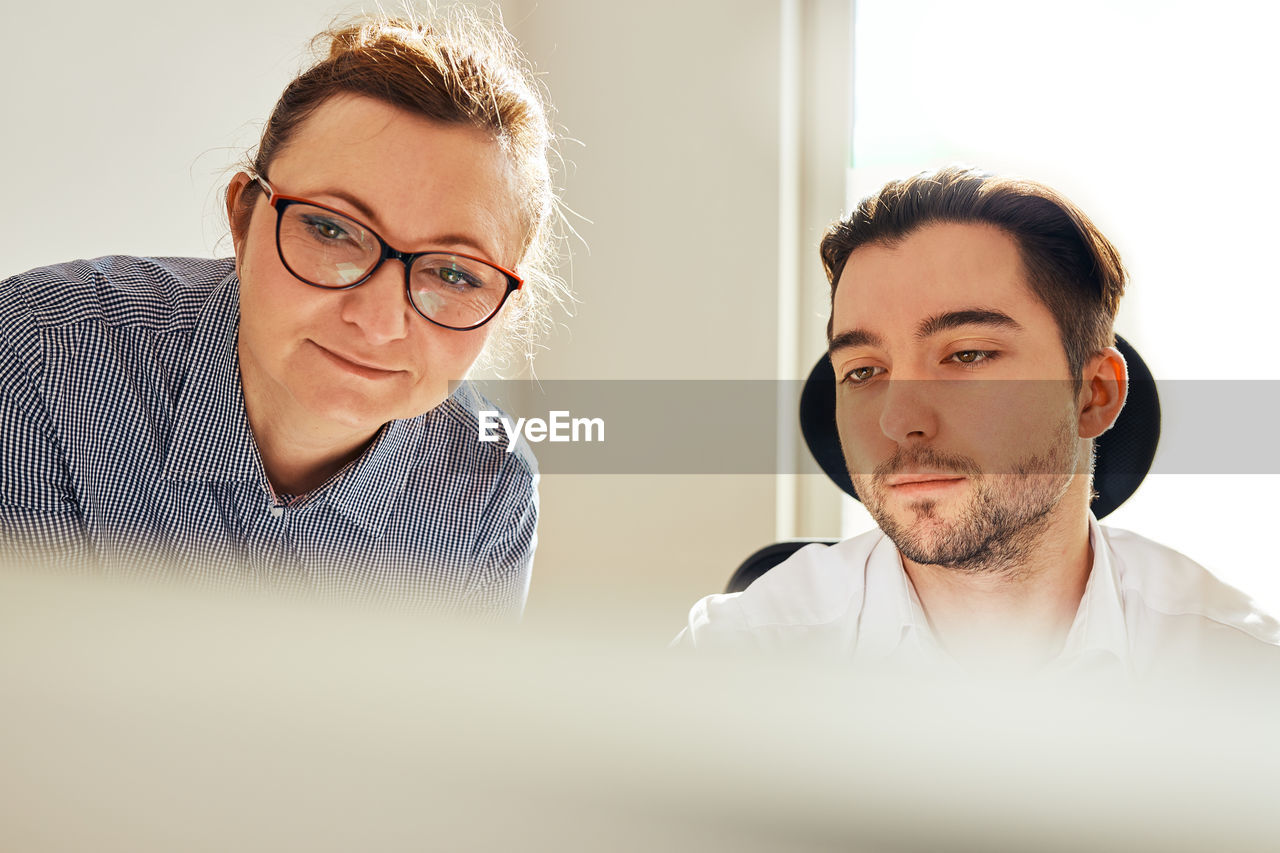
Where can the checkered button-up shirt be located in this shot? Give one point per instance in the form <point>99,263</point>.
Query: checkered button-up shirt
<point>125,446</point>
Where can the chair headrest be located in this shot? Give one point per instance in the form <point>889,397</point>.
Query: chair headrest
<point>1122,455</point>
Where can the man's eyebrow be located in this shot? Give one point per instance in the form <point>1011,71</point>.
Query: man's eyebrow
<point>929,327</point>
<point>855,338</point>
<point>967,317</point>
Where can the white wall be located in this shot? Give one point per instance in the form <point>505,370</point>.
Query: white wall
<point>677,106</point>
<point>121,120</point>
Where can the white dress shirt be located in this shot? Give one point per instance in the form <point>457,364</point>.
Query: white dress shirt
<point>1146,610</point>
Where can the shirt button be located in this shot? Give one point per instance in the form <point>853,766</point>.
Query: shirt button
<point>277,511</point>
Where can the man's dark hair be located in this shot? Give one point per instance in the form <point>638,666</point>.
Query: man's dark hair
<point>1071,267</point>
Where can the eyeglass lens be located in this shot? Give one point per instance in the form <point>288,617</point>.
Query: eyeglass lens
<point>329,250</point>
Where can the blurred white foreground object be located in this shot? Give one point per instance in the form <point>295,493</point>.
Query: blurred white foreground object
<point>139,719</point>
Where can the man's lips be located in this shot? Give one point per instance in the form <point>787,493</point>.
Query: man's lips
<point>917,482</point>
<point>355,365</point>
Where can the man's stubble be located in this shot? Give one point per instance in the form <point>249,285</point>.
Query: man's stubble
<point>1001,522</point>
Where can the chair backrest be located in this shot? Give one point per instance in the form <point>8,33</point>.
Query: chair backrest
<point>765,559</point>
<point>1122,456</point>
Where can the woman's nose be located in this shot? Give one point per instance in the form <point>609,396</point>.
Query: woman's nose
<point>379,307</point>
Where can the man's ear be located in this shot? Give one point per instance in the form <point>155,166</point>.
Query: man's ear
<point>1102,395</point>
<point>238,210</point>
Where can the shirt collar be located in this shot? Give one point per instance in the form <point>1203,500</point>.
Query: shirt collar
<point>891,610</point>
<point>211,402</point>
<point>1099,627</point>
<point>213,442</point>
<point>366,490</point>
<point>892,615</point>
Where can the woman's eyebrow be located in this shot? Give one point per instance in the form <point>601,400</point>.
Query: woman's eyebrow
<point>441,240</point>
<point>966,317</point>
<point>355,202</point>
<point>467,242</point>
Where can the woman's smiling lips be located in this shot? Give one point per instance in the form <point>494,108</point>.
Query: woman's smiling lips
<point>356,366</point>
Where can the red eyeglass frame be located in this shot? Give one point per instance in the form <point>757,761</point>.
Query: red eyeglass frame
<point>280,201</point>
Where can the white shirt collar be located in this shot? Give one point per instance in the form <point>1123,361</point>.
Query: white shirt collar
<point>1099,627</point>
<point>893,618</point>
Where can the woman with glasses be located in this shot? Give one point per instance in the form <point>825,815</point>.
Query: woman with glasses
<point>290,418</point>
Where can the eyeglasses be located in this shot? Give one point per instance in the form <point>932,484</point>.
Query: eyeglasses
<point>328,249</point>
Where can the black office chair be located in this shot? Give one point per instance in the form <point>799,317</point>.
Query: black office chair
<point>1122,455</point>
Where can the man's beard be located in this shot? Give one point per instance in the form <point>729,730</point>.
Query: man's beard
<point>999,525</point>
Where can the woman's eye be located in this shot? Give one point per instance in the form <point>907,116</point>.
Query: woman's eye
<point>455,276</point>
<point>326,228</point>
<point>858,375</point>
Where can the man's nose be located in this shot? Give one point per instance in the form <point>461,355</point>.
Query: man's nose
<point>379,307</point>
<point>909,410</point>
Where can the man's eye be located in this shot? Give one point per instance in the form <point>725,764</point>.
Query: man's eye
<point>973,356</point>
<point>858,375</point>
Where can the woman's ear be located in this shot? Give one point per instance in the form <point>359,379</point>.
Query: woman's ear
<point>1103,392</point>
<point>238,210</point>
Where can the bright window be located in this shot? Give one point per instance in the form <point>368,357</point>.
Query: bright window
<point>1159,121</point>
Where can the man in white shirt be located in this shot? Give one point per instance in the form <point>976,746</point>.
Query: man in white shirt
<point>972,343</point>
